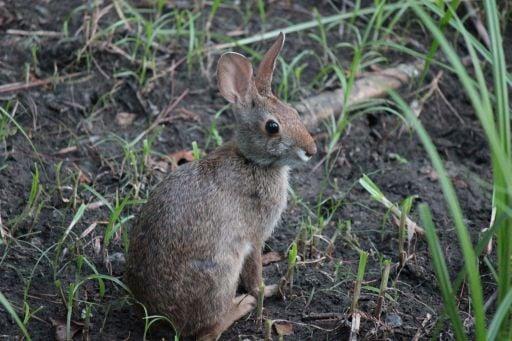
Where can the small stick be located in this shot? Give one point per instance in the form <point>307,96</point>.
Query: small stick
<point>383,288</point>
<point>406,208</point>
<point>34,33</point>
<point>322,316</point>
<point>19,86</point>
<point>423,324</point>
<point>4,233</point>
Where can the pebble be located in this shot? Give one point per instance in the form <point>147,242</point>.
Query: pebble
<point>393,320</point>
<point>116,258</point>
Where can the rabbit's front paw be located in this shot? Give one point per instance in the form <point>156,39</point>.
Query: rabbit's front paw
<point>245,304</point>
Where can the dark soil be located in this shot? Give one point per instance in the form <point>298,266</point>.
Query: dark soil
<point>77,113</point>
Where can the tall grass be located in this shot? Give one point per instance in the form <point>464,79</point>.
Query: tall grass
<point>493,111</point>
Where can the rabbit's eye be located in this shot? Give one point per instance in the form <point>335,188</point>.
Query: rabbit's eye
<point>272,127</point>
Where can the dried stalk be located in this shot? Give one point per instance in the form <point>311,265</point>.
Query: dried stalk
<point>376,84</point>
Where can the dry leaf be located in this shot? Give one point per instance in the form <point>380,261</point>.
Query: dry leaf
<point>124,119</point>
<point>89,229</point>
<point>97,245</point>
<point>182,156</point>
<point>459,183</point>
<point>271,257</point>
<point>283,328</point>
<point>161,166</point>
<point>95,205</point>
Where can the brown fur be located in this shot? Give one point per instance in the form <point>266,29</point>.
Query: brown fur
<point>203,227</point>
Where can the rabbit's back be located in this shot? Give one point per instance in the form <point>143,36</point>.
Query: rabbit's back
<point>189,243</point>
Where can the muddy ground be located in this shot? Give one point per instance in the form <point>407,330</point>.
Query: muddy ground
<point>72,124</point>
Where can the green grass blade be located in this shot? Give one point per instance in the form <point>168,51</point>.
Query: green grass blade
<point>309,24</point>
<point>441,270</point>
<point>499,316</point>
<point>502,191</point>
<point>435,44</point>
<point>7,306</point>
<point>468,251</point>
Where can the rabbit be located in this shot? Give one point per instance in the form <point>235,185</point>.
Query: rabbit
<point>203,228</point>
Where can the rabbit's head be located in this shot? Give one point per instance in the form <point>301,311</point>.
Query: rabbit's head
<point>269,131</point>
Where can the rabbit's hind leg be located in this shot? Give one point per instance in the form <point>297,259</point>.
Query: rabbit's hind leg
<point>241,306</point>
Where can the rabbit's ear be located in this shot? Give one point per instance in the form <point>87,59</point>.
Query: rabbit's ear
<point>267,66</point>
<point>234,76</point>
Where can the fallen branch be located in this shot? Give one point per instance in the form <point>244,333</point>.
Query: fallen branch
<point>35,33</point>
<point>372,85</point>
<point>19,86</point>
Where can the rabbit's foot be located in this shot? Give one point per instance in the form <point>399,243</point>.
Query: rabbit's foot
<point>242,305</point>
<point>271,290</point>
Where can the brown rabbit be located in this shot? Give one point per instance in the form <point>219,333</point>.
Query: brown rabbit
<point>204,226</point>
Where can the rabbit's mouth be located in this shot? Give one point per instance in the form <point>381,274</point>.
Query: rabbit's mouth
<point>302,155</point>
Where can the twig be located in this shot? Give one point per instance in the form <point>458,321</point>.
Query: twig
<point>322,316</point>
<point>162,116</point>
<point>423,324</point>
<point>19,86</point>
<point>3,231</point>
<point>35,33</point>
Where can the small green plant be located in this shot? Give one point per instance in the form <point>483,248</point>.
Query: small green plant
<point>268,330</point>
<point>403,231</point>
<point>287,280</point>
<point>361,269</point>
<point>8,307</point>
<point>383,288</point>
<point>196,152</point>
<point>116,221</point>
<point>149,320</point>
<point>73,289</point>
<point>213,133</point>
